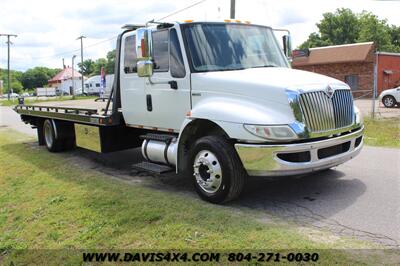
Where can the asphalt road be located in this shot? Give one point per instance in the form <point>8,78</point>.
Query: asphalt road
<point>360,198</point>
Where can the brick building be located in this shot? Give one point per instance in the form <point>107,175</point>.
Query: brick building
<point>353,64</point>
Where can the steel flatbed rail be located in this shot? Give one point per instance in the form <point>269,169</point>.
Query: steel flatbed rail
<point>78,115</point>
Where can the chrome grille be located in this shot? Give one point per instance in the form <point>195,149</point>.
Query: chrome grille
<point>322,113</point>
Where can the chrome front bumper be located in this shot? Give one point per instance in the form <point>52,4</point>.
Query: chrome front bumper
<point>263,160</point>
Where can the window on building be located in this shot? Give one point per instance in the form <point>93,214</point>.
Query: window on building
<point>352,81</point>
<point>130,57</point>
<point>176,59</point>
<point>160,51</point>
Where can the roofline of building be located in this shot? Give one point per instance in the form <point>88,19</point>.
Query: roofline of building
<point>388,53</point>
<point>341,45</point>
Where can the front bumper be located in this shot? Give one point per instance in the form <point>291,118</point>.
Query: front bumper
<point>299,158</point>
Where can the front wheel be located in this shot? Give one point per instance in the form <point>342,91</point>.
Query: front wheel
<point>389,101</point>
<point>218,174</point>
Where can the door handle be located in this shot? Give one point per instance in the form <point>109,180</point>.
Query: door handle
<point>149,103</point>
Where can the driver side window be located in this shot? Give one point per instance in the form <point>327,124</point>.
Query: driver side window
<point>160,50</point>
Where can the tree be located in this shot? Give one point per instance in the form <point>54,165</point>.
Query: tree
<point>87,68</point>
<point>339,27</point>
<point>101,62</point>
<point>314,40</point>
<point>395,36</point>
<point>344,26</point>
<point>37,77</point>
<point>376,30</point>
<point>110,62</point>
<point>16,86</point>
<point>15,77</point>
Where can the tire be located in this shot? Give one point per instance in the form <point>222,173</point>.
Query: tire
<point>389,101</point>
<point>49,133</point>
<point>60,138</point>
<point>226,180</point>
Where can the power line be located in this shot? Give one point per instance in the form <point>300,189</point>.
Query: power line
<point>73,51</point>
<point>183,9</point>
<point>113,37</point>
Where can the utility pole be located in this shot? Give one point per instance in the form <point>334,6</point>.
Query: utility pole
<point>73,81</point>
<point>233,4</point>
<point>375,89</point>
<point>81,37</point>
<point>8,61</point>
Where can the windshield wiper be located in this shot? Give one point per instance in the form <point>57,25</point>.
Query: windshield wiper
<point>264,66</point>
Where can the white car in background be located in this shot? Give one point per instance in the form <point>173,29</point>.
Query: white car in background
<point>12,95</point>
<point>390,97</point>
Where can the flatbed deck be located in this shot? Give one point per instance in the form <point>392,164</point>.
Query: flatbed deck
<point>80,111</point>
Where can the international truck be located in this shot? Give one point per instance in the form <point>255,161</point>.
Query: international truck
<point>214,101</point>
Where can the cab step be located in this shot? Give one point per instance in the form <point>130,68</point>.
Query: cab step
<point>158,137</point>
<point>152,167</point>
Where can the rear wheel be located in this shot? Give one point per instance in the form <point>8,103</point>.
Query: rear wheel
<point>218,174</point>
<point>389,101</point>
<point>58,136</point>
<point>50,139</point>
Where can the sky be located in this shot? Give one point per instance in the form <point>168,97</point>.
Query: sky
<point>47,29</point>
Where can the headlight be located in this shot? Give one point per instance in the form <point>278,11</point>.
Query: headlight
<point>272,132</point>
<point>358,115</point>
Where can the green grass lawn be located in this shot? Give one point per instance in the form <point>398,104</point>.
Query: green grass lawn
<point>45,203</point>
<point>39,100</point>
<point>382,132</point>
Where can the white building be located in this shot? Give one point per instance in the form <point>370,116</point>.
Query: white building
<point>63,81</point>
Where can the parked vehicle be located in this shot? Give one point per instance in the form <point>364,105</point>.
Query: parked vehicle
<point>93,84</point>
<point>217,101</point>
<point>25,94</point>
<point>78,91</point>
<point>46,92</point>
<point>390,98</point>
<point>13,95</point>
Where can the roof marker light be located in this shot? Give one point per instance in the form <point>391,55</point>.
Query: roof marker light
<point>188,20</point>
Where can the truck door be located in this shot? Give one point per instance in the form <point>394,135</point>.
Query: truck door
<point>168,90</point>
<point>133,99</point>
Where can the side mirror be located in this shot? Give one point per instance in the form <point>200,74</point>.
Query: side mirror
<point>144,52</point>
<point>287,45</point>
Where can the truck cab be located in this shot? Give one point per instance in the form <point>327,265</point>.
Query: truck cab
<point>218,101</point>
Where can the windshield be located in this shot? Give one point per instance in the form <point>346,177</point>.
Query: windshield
<point>221,47</point>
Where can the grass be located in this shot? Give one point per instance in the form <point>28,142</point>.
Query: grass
<point>45,203</point>
<point>38,100</point>
<point>382,132</point>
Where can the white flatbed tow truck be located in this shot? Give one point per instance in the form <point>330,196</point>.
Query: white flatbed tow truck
<point>217,101</point>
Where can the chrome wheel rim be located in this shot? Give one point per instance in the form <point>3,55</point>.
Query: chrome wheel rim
<point>389,101</point>
<point>48,135</point>
<point>207,171</point>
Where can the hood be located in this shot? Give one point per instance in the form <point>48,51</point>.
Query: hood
<point>389,91</point>
<point>255,95</point>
